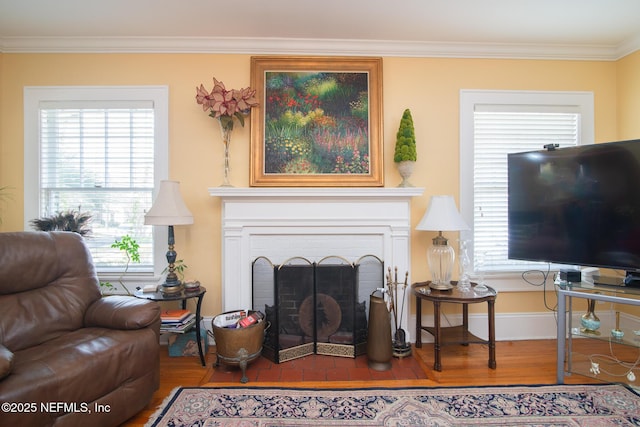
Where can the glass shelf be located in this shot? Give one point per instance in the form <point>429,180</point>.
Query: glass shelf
<point>631,336</point>
<point>609,371</point>
<point>605,360</point>
<point>608,285</point>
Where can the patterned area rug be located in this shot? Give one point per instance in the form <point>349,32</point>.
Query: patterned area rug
<point>552,405</point>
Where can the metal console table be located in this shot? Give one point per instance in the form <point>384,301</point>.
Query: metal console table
<point>566,293</point>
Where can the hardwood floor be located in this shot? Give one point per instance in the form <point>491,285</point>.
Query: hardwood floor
<point>518,362</point>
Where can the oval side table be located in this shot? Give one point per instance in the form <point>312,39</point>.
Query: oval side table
<point>454,334</point>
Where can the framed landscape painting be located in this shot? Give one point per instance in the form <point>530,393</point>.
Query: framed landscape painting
<point>318,122</point>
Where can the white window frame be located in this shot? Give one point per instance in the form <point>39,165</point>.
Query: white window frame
<point>582,102</point>
<point>158,95</point>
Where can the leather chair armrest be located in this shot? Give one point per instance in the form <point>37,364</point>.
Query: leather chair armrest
<point>6,361</point>
<point>122,312</point>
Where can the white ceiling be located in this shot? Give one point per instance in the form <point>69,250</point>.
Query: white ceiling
<point>573,29</point>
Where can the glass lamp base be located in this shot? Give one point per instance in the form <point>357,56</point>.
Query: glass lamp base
<point>440,259</point>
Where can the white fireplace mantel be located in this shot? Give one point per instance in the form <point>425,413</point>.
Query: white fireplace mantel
<point>379,193</point>
<point>310,222</point>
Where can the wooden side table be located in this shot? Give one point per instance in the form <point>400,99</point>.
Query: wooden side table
<point>183,296</point>
<point>454,334</point>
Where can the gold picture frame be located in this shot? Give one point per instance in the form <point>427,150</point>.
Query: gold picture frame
<point>318,122</point>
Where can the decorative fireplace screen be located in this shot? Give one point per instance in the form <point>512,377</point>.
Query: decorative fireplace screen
<point>311,307</point>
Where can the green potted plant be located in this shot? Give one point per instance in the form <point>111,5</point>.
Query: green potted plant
<point>405,154</point>
<point>131,248</point>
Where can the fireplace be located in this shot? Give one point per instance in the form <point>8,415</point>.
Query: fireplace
<point>282,223</point>
<point>315,307</point>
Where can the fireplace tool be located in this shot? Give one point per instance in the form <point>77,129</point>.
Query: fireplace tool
<point>401,348</point>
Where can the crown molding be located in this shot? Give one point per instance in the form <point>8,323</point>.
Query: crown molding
<point>628,47</point>
<point>339,47</point>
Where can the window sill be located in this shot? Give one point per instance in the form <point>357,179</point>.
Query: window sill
<point>127,284</point>
<point>513,281</point>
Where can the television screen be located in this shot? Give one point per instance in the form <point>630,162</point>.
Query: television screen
<point>577,206</point>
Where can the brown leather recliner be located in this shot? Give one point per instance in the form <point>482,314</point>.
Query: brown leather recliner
<point>68,356</point>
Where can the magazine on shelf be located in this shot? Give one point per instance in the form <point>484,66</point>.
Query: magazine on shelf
<point>180,327</point>
<point>174,316</point>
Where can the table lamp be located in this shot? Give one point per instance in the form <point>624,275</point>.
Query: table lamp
<point>169,209</point>
<point>442,215</point>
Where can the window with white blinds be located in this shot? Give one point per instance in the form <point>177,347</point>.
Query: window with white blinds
<point>497,134</point>
<point>99,158</point>
<point>100,151</point>
<point>496,129</point>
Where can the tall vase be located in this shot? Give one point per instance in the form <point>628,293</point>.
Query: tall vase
<point>464,263</point>
<point>617,333</point>
<point>225,129</point>
<point>589,321</point>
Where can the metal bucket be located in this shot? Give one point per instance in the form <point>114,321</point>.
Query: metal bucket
<point>238,346</point>
<point>379,348</point>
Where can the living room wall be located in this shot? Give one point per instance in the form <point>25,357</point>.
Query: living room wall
<point>628,75</point>
<point>428,86</point>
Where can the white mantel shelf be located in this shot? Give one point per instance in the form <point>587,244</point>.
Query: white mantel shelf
<point>324,192</point>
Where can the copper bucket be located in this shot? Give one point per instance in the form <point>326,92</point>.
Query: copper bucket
<point>238,346</point>
<point>379,348</point>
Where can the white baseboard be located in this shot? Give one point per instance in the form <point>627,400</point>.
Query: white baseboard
<point>509,326</point>
<point>206,325</point>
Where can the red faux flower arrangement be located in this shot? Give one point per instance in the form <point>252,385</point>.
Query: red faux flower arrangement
<point>225,104</point>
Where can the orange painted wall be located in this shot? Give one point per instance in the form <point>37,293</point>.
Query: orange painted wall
<point>429,86</point>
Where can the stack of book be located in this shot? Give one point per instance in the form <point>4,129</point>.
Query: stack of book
<point>177,321</point>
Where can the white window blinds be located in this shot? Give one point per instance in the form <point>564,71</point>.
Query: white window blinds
<point>98,157</point>
<point>497,131</point>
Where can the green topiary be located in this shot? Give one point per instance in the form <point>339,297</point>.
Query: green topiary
<point>405,139</point>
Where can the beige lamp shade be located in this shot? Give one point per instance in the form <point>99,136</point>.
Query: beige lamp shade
<point>169,208</point>
<point>442,215</point>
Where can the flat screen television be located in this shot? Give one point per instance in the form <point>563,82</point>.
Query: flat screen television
<point>578,206</point>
